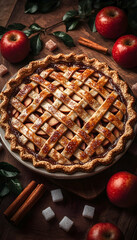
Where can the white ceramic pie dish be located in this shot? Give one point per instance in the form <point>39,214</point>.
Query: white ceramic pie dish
<point>61,175</point>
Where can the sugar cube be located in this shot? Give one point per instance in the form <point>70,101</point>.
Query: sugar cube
<point>56,195</point>
<point>66,224</point>
<point>48,213</point>
<point>88,211</point>
<point>51,45</point>
<point>3,70</point>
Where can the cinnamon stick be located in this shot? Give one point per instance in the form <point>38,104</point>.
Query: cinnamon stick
<point>28,204</point>
<point>20,199</point>
<point>93,45</point>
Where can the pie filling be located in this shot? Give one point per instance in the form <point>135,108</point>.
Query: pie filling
<point>67,113</point>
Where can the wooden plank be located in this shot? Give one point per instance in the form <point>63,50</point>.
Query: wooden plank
<point>34,226</point>
<point>6,11</point>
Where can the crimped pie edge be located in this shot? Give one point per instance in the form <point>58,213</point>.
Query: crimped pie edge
<point>89,166</point>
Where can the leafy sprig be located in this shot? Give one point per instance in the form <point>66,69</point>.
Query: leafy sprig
<point>34,32</point>
<point>8,179</point>
<point>87,10</point>
<point>85,13</point>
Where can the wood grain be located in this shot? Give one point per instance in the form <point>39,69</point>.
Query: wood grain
<point>6,11</point>
<point>34,226</point>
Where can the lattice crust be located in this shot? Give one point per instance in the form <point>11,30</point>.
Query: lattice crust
<point>69,116</point>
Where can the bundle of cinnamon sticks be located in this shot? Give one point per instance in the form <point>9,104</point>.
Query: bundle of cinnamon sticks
<point>24,202</point>
<point>92,45</point>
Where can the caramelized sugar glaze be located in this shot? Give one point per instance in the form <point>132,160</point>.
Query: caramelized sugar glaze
<point>95,76</point>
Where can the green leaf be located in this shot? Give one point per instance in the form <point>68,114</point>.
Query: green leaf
<point>94,28</point>
<point>7,174</point>
<point>4,191</point>
<point>69,15</point>
<point>2,31</point>
<point>28,32</point>
<point>8,167</point>
<point>71,25</point>
<point>35,27</point>
<point>16,26</point>
<point>36,44</point>
<point>91,23</point>
<point>31,6</point>
<point>84,7</point>
<point>14,186</point>
<point>68,41</point>
<point>46,6</point>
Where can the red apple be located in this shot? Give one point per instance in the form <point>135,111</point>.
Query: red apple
<point>111,22</point>
<point>14,46</point>
<point>122,189</point>
<point>105,231</point>
<point>124,51</point>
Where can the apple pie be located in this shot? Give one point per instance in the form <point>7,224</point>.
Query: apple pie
<point>67,113</point>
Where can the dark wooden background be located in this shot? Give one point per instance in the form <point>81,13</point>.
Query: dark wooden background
<point>34,226</point>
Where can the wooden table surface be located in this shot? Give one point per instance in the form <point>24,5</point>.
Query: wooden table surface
<point>34,226</point>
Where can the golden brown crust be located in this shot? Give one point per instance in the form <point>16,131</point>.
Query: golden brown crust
<point>88,166</point>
